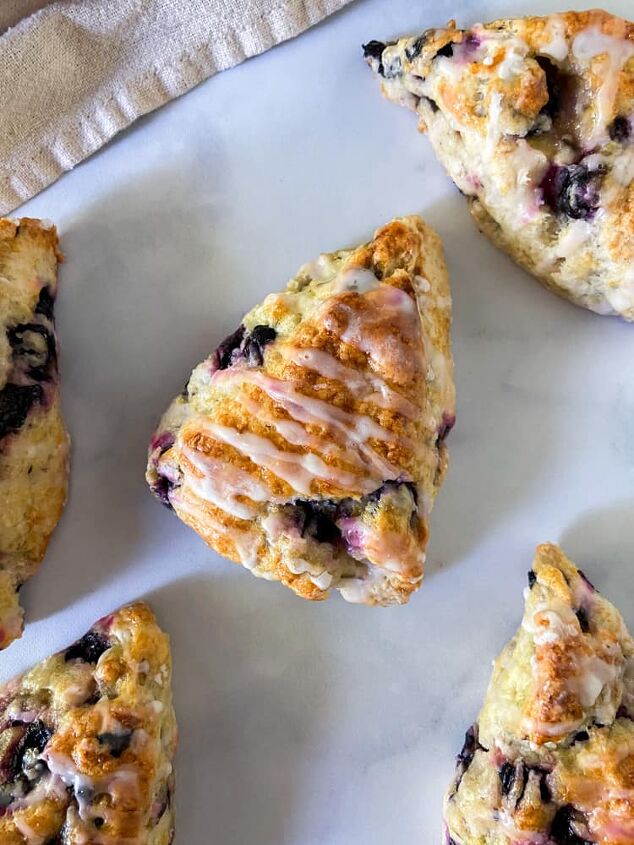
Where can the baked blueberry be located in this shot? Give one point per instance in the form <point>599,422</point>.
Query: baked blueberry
<point>89,648</point>
<point>15,403</point>
<point>255,342</point>
<point>582,616</point>
<point>228,350</point>
<point>374,50</point>
<point>34,346</point>
<point>572,190</point>
<point>45,303</point>
<point>566,825</point>
<point>32,743</point>
<point>115,743</point>
<point>620,129</point>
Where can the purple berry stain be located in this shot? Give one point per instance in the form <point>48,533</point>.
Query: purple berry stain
<point>572,190</point>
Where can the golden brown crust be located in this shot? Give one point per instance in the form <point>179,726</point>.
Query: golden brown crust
<point>87,738</point>
<point>551,757</point>
<point>313,458</point>
<point>33,439</point>
<point>534,120</point>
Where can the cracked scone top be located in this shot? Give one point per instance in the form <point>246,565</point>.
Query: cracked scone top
<point>87,739</point>
<point>33,440</point>
<point>550,760</point>
<point>534,121</point>
<point>310,446</point>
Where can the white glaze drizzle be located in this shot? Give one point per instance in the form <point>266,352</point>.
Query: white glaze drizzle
<point>245,541</point>
<point>220,483</point>
<point>358,279</point>
<point>557,46</point>
<point>330,368</point>
<point>298,470</point>
<point>589,44</point>
<point>356,428</point>
<point>386,305</point>
<point>513,62</point>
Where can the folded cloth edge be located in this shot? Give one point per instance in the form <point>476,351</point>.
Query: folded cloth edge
<point>74,137</point>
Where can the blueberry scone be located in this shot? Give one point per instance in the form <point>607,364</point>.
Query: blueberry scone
<point>534,121</point>
<point>550,760</point>
<point>310,446</point>
<point>87,739</point>
<point>33,440</point>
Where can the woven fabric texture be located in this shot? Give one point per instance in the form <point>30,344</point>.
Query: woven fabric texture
<point>73,73</point>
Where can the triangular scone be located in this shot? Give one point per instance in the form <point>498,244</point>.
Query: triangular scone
<point>550,760</point>
<point>310,446</point>
<point>33,440</point>
<point>87,739</point>
<point>534,121</point>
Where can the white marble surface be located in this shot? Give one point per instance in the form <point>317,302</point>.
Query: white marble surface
<point>328,723</point>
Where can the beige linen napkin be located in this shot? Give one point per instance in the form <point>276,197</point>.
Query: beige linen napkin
<point>73,73</point>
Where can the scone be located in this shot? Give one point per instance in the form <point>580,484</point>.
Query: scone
<point>550,760</point>
<point>33,441</point>
<point>310,446</point>
<point>87,739</point>
<point>534,121</point>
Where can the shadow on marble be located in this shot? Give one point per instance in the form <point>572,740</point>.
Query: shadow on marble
<point>241,682</point>
<point>510,356</point>
<point>135,261</point>
<point>601,542</point>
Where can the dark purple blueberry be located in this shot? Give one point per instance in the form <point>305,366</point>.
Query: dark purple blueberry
<point>582,617</point>
<point>34,347</point>
<point>255,342</point>
<point>15,403</point>
<point>45,303</point>
<point>162,442</point>
<point>588,583</point>
<point>414,50</point>
<point>98,822</point>
<point>374,50</point>
<point>229,349</point>
<point>388,486</point>
<point>567,826</point>
<point>622,713</point>
<point>448,422</point>
<point>316,519</point>
<point>89,648</point>
<point>161,487</point>
<point>544,790</point>
<point>115,743</point>
<point>469,748</point>
<point>506,773</point>
<point>620,129</point>
<point>472,41</point>
<point>581,736</point>
<point>446,51</point>
<point>30,746</point>
<point>466,755</point>
<point>532,578</point>
<point>572,190</point>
